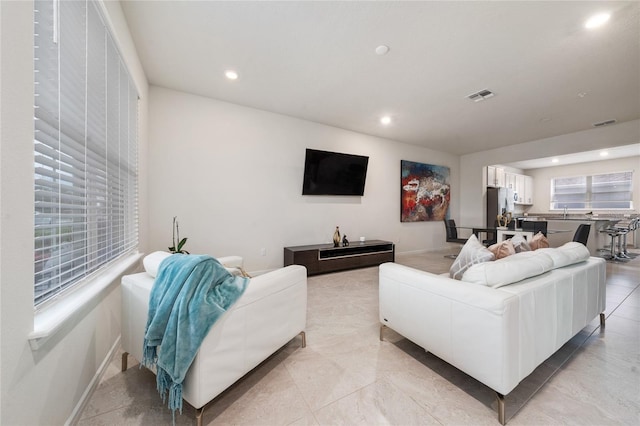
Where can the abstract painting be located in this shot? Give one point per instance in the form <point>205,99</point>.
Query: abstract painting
<point>425,192</point>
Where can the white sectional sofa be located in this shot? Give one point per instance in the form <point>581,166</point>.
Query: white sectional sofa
<point>492,328</point>
<point>271,312</point>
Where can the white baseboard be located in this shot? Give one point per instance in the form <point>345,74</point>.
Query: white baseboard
<point>77,411</point>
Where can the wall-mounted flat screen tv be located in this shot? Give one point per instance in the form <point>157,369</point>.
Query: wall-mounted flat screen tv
<point>334,173</point>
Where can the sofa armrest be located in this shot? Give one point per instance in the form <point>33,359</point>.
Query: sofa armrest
<point>472,327</point>
<point>273,282</point>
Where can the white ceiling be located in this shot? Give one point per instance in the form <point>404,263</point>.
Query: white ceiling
<point>581,157</point>
<point>317,61</point>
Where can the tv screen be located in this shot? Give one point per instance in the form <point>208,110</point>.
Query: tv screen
<point>333,173</point>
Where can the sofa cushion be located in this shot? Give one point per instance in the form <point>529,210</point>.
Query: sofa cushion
<point>472,252</point>
<point>538,241</point>
<point>502,249</point>
<point>567,254</point>
<point>509,270</point>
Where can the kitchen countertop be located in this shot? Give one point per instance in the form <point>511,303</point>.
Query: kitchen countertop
<point>577,217</point>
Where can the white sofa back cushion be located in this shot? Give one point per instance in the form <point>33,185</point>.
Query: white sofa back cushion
<point>510,269</point>
<point>567,254</point>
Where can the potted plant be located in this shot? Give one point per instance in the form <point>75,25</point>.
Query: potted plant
<point>181,242</point>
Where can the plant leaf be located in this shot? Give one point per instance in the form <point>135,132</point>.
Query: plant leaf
<point>182,243</point>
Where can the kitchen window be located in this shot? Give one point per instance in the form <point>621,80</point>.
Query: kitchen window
<point>607,191</point>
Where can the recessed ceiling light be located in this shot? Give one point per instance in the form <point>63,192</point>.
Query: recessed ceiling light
<point>231,74</point>
<point>604,153</point>
<point>554,160</point>
<point>597,20</point>
<point>582,94</point>
<point>386,120</point>
<point>382,50</point>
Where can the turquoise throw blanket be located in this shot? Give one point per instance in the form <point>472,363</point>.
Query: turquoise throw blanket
<point>189,294</point>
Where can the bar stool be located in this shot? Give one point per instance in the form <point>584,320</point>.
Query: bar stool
<point>606,248</point>
<point>626,227</point>
<point>614,233</point>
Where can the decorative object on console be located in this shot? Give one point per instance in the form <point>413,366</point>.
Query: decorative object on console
<point>336,237</point>
<point>345,242</point>
<point>504,219</point>
<point>424,192</point>
<point>181,242</point>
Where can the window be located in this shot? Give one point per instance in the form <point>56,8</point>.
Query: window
<point>607,191</point>
<point>85,147</point>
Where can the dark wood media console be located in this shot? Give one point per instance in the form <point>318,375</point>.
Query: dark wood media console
<point>321,258</point>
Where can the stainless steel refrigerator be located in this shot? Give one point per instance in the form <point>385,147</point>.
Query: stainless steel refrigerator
<point>499,201</point>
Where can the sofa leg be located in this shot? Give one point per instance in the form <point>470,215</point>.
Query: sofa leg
<point>304,339</point>
<point>501,418</point>
<point>124,361</point>
<point>602,319</point>
<point>199,413</point>
<point>382,327</point>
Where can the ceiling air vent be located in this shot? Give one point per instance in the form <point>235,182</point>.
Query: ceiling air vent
<point>604,123</point>
<point>481,95</point>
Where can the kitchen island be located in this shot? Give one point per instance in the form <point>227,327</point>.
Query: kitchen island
<point>597,239</point>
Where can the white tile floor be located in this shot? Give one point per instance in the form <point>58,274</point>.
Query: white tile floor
<point>346,376</point>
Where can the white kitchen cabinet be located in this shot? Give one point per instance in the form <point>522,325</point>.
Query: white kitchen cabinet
<point>524,189</point>
<point>528,190</point>
<point>495,176</point>
<point>491,176</point>
<point>500,177</point>
<point>510,180</point>
<point>519,189</point>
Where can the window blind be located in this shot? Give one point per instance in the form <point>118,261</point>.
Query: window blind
<point>85,147</point>
<point>607,191</point>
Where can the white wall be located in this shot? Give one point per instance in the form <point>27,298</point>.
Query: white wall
<point>542,180</point>
<point>44,386</point>
<point>473,182</point>
<point>233,176</point>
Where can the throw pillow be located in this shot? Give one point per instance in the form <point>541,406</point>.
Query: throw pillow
<point>472,252</point>
<point>502,249</point>
<point>539,241</point>
<point>152,262</point>
<point>520,244</point>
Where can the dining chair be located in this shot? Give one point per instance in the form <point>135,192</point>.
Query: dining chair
<point>582,234</point>
<point>452,235</point>
<point>535,226</point>
<point>492,237</point>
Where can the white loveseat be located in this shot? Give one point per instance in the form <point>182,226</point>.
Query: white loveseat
<point>271,312</point>
<point>496,335</point>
